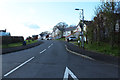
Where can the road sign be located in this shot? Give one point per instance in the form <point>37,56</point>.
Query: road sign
<point>117,27</point>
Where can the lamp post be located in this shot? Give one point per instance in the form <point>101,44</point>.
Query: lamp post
<point>81,26</point>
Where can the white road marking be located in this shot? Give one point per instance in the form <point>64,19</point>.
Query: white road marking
<point>18,67</point>
<point>49,46</point>
<point>43,51</point>
<point>66,74</point>
<point>79,54</point>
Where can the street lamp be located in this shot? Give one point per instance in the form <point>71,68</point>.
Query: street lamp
<point>81,25</point>
<point>82,13</point>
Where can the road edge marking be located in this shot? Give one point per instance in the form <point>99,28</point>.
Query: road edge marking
<point>91,58</point>
<point>18,67</point>
<point>79,54</point>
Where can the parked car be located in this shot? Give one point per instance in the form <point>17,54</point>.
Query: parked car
<point>46,39</point>
<point>50,38</point>
<point>72,38</point>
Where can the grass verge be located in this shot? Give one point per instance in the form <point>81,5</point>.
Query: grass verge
<point>63,39</point>
<point>30,42</point>
<point>104,48</point>
<point>18,44</point>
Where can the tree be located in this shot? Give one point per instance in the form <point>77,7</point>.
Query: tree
<point>90,32</point>
<point>61,26</point>
<point>103,26</point>
<point>106,19</point>
<point>43,33</point>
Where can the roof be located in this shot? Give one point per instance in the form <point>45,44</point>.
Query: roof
<point>4,34</point>
<point>34,35</point>
<point>70,28</point>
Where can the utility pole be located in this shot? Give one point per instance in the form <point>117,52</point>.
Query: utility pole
<point>82,27</point>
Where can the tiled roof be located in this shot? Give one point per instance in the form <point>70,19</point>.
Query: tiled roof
<point>70,28</point>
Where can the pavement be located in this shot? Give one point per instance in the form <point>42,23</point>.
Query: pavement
<point>51,60</point>
<point>94,55</point>
<point>14,49</point>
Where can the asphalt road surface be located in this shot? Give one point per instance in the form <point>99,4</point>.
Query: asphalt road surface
<point>52,60</point>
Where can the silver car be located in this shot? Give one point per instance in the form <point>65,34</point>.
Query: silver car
<point>72,38</point>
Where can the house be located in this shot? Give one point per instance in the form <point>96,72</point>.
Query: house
<point>74,31</point>
<point>56,34</point>
<point>35,37</point>
<point>69,32</point>
<point>44,35</point>
<point>4,33</point>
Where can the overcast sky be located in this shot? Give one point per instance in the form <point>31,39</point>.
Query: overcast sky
<point>30,17</point>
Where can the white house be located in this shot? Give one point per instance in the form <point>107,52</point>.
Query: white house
<point>56,34</point>
<point>74,31</point>
<point>69,32</point>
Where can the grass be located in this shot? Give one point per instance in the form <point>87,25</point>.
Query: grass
<point>63,39</point>
<point>0,46</point>
<point>12,45</point>
<point>18,44</point>
<point>30,41</point>
<point>104,48</point>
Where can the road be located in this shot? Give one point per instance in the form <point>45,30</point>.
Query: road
<point>52,60</point>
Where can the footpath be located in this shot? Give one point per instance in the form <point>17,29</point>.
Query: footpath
<point>95,55</point>
<point>19,48</point>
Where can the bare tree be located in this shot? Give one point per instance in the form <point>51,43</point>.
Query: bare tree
<point>61,26</point>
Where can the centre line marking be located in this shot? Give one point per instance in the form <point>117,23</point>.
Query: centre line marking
<point>49,46</point>
<point>43,51</point>
<point>18,67</point>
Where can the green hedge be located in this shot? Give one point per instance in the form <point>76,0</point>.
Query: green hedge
<point>11,39</point>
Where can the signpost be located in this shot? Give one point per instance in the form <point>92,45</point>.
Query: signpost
<point>117,27</point>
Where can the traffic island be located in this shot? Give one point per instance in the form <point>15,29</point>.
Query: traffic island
<point>19,48</point>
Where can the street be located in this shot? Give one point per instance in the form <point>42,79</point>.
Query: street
<point>52,60</point>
